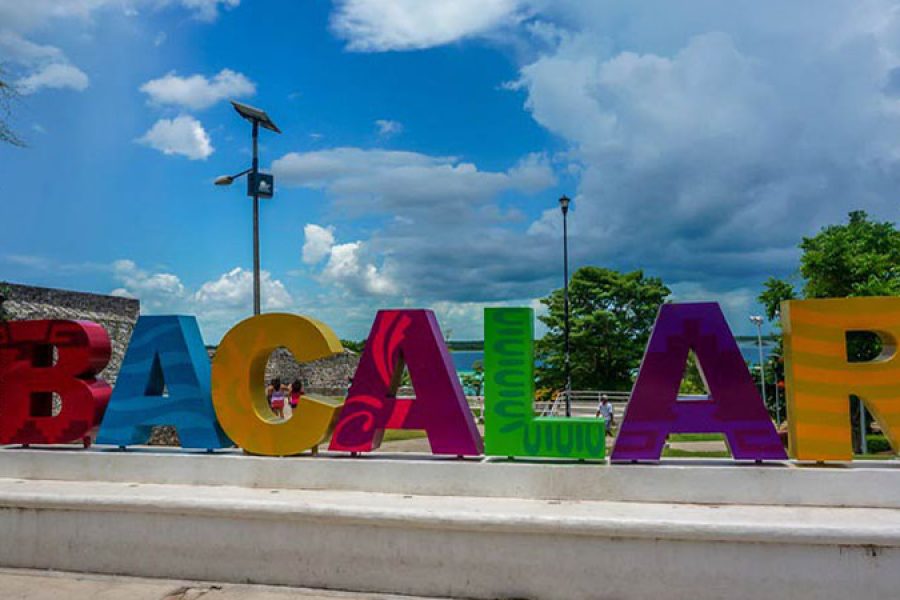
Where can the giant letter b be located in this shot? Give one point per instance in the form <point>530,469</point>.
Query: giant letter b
<point>28,379</point>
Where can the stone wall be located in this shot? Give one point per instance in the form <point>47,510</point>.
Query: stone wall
<point>116,315</point>
<point>328,376</point>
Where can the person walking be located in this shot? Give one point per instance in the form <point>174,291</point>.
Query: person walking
<point>277,393</point>
<point>605,409</point>
<point>296,392</point>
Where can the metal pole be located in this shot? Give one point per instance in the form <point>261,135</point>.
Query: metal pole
<point>863,442</point>
<point>777,401</point>
<point>762,369</point>
<point>566,310</point>
<point>254,173</point>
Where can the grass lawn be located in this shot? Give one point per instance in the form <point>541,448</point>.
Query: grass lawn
<point>880,456</point>
<point>696,437</point>
<point>674,453</point>
<point>397,435</point>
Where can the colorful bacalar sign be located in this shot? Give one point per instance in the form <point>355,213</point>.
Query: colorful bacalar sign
<point>166,379</point>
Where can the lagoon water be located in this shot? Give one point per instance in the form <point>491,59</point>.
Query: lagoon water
<point>464,359</point>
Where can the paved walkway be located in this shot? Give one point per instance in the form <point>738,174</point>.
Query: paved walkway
<point>25,584</point>
<point>421,445</point>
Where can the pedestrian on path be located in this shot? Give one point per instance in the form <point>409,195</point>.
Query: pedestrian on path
<point>605,409</point>
<point>296,392</point>
<point>277,393</point>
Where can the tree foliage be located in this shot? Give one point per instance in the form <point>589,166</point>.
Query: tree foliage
<point>861,258</point>
<point>4,294</point>
<point>611,316</point>
<point>354,345</point>
<point>776,291</point>
<point>858,258</point>
<point>8,96</point>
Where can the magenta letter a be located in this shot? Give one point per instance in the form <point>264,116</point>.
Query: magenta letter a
<point>733,408</point>
<point>413,339</point>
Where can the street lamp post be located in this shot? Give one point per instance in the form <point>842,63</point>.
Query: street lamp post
<point>758,321</point>
<point>259,185</point>
<point>254,171</point>
<point>564,206</point>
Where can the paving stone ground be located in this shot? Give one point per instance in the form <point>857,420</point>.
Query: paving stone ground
<point>421,445</point>
<point>26,584</point>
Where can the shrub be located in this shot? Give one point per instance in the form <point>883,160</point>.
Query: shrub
<point>877,443</point>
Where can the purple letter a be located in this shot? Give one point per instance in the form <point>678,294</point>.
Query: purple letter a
<point>733,408</point>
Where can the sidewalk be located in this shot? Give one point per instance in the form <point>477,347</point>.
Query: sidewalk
<point>26,584</point>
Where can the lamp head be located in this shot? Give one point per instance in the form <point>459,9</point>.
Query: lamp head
<point>224,180</point>
<point>564,204</point>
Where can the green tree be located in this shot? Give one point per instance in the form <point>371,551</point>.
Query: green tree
<point>8,95</point>
<point>354,346</point>
<point>692,381</point>
<point>776,291</point>
<point>4,294</point>
<point>859,258</point>
<point>611,315</point>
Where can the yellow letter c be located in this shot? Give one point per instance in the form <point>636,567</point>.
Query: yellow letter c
<point>238,384</point>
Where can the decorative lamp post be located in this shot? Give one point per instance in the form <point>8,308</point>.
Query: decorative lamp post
<point>259,185</point>
<point>564,207</point>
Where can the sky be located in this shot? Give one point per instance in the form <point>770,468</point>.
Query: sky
<point>425,144</point>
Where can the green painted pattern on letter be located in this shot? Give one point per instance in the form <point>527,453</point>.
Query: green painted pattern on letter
<point>510,425</point>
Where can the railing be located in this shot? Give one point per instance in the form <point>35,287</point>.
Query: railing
<point>583,403</point>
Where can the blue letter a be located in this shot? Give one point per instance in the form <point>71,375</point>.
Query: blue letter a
<point>164,380</point>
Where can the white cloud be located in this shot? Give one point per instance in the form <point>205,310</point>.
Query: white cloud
<point>208,10</point>
<point>388,128</point>
<point>380,25</point>
<point>196,91</point>
<point>346,267</point>
<point>465,320</point>
<point>234,289</point>
<point>155,290</point>
<point>218,303</point>
<point>317,242</point>
<point>705,146</point>
<point>24,15</point>
<point>183,135</point>
<point>53,76</point>
<point>46,66</point>
<point>446,233</point>
<point>399,182</point>
<point>25,52</point>
<point>36,66</point>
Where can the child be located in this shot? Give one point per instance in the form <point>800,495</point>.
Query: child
<point>276,397</point>
<point>296,392</point>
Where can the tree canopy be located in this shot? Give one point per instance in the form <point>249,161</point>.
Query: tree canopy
<point>7,96</point>
<point>611,316</point>
<point>859,258</point>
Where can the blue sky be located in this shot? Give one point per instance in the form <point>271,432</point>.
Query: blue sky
<point>426,142</point>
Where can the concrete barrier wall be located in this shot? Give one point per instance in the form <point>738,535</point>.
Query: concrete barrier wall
<point>863,484</point>
<point>451,546</point>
